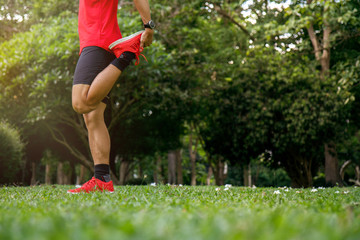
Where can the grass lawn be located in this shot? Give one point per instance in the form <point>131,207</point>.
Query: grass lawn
<point>169,212</point>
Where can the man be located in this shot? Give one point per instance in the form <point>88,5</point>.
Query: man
<point>104,55</point>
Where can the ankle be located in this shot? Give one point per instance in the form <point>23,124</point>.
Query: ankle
<point>102,172</point>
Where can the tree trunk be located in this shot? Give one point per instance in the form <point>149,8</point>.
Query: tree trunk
<point>357,173</point>
<point>193,171</point>
<point>322,55</point>
<point>81,178</point>
<point>220,167</point>
<point>216,172</point>
<point>124,167</point>
<point>60,173</point>
<point>47,174</point>
<point>179,173</point>
<point>171,167</point>
<point>299,171</point>
<point>33,173</point>
<point>221,172</point>
<point>302,179</point>
<point>192,152</point>
<point>67,178</point>
<point>157,170</point>
<point>332,174</point>
<point>208,177</point>
<point>211,171</point>
<point>343,167</point>
<point>247,175</point>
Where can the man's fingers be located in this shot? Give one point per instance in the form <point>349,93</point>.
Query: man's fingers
<point>144,44</point>
<point>146,40</point>
<point>143,41</point>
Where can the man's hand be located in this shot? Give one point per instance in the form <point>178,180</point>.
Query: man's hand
<point>146,38</point>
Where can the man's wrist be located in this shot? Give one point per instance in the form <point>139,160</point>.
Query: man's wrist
<point>150,24</point>
<point>149,30</point>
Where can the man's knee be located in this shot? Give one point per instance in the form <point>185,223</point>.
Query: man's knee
<point>80,102</point>
<point>81,107</point>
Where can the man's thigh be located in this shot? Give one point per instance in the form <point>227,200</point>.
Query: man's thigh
<point>92,61</point>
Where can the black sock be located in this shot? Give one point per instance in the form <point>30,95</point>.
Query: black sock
<point>102,172</point>
<point>123,61</point>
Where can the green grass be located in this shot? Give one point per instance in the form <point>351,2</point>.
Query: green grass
<point>168,212</point>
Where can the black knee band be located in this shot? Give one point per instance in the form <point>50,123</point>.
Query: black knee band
<point>124,60</point>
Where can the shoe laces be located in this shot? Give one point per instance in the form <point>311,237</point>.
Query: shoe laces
<point>137,54</point>
<point>89,183</point>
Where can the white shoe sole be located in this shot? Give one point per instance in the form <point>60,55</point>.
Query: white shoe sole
<point>89,192</point>
<point>124,39</point>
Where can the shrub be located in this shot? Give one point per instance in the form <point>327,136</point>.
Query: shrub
<point>11,154</point>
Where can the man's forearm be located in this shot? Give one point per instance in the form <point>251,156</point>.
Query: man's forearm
<point>144,10</point>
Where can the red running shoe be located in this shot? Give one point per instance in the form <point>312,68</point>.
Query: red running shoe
<point>94,185</point>
<point>128,44</point>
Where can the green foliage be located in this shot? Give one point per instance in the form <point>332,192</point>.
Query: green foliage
<point>37,68</point>
<point>19,15</point>
<point>170,212</point>
<point>11,154</point>
<point>242,72</point>
<point>274,98</point>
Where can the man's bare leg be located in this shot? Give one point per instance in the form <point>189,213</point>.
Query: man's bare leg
<point>99,139</point>
<point>99,142</point>
<point>87,98</point>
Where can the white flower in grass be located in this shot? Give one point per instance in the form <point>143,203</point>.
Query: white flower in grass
<point>321,188</point>
<point>337,192</point>
<point>153,184</point>
<point>228,185</point>
<point>77,186</point>
<point>180,185</point>
<point>226,188</point>
<point>346,192</point>
<point>253,186</point>
<point>314,190</point>
<point>277,192</point>
<point>218,189</point>
<point>286,190</point>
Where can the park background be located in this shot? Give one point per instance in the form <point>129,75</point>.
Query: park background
<point>247,93</point>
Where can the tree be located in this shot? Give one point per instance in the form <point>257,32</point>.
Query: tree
<point>269,27</point>
<point>326,22</point>
<point>11,154</point>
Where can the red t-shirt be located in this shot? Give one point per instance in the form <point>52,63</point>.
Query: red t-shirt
<point>98,25</point>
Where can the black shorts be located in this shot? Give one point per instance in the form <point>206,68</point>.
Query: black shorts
<point>91,62</point>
